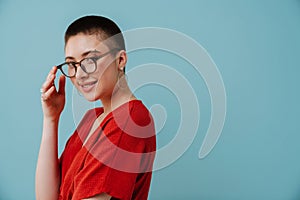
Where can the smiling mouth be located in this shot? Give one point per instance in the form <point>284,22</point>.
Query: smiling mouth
<point>86,87</point>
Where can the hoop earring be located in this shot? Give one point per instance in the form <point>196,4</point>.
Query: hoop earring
<point>124,85</point>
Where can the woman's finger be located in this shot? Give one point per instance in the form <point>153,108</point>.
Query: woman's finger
<point>61,84</point>
<point>54,68</point>
<point>46,95</point>
<point>52,71</point>
<point>48,83</point>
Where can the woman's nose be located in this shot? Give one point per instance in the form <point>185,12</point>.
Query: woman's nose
<point>80,74</point>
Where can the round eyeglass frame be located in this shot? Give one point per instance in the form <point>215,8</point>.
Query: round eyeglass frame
<point>94,59</point>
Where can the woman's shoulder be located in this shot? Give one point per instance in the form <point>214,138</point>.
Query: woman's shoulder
<point>137,120</point>
<point>134,110</point>
<point>140,113</point>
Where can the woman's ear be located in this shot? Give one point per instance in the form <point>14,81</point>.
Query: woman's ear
<point>122,60</point>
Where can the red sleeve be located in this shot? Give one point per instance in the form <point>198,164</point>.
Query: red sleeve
<point>116,161</point>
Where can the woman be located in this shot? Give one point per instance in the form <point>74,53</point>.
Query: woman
<point>110,154</point>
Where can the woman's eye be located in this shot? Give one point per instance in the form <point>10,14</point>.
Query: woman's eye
<point>71,65</point>
<point>89,60</point>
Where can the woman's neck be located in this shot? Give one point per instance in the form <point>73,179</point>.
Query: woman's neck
<point>118,98</point>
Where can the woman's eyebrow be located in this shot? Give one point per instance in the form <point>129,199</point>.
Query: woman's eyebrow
<point>83,54</point>
<point>88,52</point>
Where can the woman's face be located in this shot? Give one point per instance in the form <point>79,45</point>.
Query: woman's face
<point>99,84</point>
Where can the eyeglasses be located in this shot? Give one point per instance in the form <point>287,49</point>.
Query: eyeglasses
<point>88,65</point>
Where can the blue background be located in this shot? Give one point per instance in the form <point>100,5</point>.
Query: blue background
<point>256,46</point>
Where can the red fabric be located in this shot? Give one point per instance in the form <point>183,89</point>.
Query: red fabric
<point>111,160</point>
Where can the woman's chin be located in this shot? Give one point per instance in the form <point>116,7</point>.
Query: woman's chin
<point>91,97</point>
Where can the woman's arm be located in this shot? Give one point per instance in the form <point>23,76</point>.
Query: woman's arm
<point>47,171</point>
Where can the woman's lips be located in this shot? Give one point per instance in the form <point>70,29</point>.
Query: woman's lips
<point>87,87</point>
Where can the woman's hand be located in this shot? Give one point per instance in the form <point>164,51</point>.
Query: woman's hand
<point>53,101</point>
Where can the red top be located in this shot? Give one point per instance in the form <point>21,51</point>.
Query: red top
<point>117,159</point>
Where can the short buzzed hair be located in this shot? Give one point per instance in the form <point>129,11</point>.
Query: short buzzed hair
<point>98,25</point>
